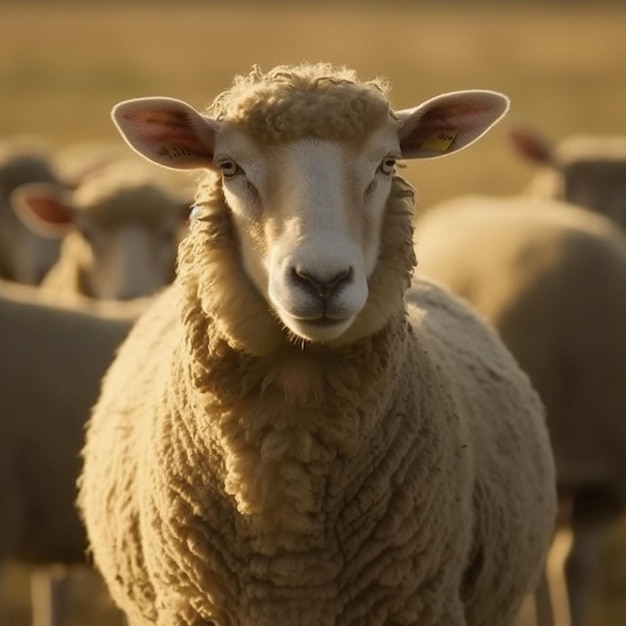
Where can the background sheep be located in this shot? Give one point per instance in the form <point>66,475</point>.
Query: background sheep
<point>25,256</point>
<point>51,362</point>
<point>293,450</point>
<point>586,170</point>
<point>551,278</point>
<point>121,228</point>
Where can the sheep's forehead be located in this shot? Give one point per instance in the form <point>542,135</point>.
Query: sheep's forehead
<point>307,102</point>
<point>247,150</point>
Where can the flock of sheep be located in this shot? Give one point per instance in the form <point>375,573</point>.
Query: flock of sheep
<point>337,412</point>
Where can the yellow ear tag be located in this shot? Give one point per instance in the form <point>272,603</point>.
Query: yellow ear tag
<point>439,141</point>
<point>177,152</point>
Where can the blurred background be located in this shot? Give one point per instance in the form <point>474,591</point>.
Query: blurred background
<point>63,65</point>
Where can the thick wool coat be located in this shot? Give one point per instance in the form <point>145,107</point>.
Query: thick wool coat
<point>235,478</point>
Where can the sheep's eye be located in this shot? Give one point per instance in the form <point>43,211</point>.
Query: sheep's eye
<point>229,168</point>
<point>388,165</point>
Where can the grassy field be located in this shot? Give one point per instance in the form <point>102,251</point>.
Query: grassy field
<point>64,65</point>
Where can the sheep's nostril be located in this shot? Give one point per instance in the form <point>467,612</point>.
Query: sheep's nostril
<point>324,287</point>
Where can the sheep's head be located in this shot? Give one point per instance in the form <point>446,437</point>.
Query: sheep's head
<point>122,230</point>
<point>586,170</point>
<point>306,159</point>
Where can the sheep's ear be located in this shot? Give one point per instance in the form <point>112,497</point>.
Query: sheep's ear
<point>449,122</point>
<point>532,146</point>
<point>168,132</point>
<point>44,208</point>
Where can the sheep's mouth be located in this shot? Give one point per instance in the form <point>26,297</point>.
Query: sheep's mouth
<point>318,329</point>
<point>323,321</point>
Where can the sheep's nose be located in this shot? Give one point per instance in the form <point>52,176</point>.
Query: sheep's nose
<point>324,287</point>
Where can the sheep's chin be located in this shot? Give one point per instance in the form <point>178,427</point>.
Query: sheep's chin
<point>317,331</point>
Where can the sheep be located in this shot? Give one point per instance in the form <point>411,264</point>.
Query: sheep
<point>51,362</point>
<point>120,230</point>
<point>294,432</point>
<point>550,278</point>
<point>25,257</point>
<point>586,170</point>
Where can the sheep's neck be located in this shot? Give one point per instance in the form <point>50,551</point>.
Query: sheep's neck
<point>290,423</point>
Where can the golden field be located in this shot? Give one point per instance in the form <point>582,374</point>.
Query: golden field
<point>64,65</point>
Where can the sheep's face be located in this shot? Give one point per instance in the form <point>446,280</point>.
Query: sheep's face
<point>308,214</point>
<point>127,261</point>
<point>306,159</point>
<point>119,246</point>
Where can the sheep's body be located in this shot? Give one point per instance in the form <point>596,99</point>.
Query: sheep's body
<point>397,509</point>
<point>550,278</point>
<point>586,170</point>
<point>52,360</point>
<point>25,257</point>
<point>51,363</point>
<point>252,473</point>
<point>123,227</point>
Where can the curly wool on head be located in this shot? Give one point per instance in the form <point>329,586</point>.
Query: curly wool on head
<point>277,106</point>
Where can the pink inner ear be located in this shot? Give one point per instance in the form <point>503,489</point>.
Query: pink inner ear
<point>49,210</point>
<point>448,123</point>
<point>160,125</point>
<point>531,146</point>
<point>43,211</point>
<point>462,116</point>
<point>166,118</point>
<point>168,132</point>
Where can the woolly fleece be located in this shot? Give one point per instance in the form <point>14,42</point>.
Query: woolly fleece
<point>550,278</point>
<point>232,477</point>
<point>51,363</point>
<point>315,100</point>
